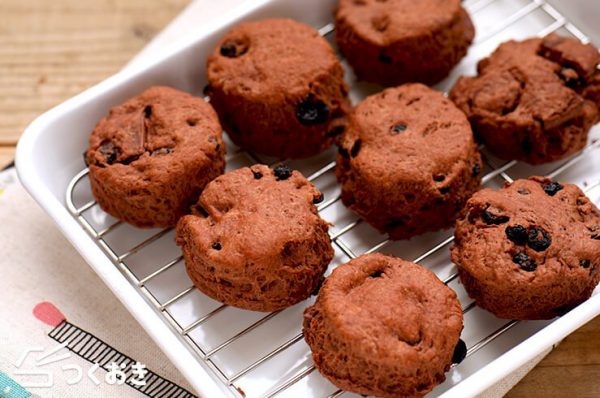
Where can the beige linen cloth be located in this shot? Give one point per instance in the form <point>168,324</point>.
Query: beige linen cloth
<point>38,264</point>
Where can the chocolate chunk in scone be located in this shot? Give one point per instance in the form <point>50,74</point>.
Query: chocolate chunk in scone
<point>541,259</point>
<point>533,100</point>
<point>408,161</point>
<point>150,158</point>
<point>385,327</point>
<point>397,41</point>
<point>278,88</point>
<point>256,240</point>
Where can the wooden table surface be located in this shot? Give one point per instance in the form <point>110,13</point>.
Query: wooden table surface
<point>51,50</point>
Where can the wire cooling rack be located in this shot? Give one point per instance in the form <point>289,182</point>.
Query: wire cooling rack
<point>244,348</point>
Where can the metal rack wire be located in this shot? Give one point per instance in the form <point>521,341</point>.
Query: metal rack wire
<point>162,307</point>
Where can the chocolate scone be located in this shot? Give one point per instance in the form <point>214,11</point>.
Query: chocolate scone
<point>533,100</point>
<point>530,250</point>
<point>255,240</point>
<point>278,88</point>
<point>408,161</point>
<point>383,326</point>
<point>150,158</point>
<point>397,41</point>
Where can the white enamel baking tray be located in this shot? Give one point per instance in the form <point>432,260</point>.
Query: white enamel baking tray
<point>227,352</point>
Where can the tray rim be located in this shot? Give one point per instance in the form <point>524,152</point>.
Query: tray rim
<point>196,373</point>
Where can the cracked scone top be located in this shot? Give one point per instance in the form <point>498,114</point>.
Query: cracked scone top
<point>256,240</point>
<point>533,100</point>
<point>408,161</point>
<point>278,88</point>
<point>530,250</point>
<point>383,326</point>
<point>397,41</point>
<point>151,156</point>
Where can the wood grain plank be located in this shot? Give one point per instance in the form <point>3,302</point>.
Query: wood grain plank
<point>559,382</point>
<point>52,50</point>
<point>7,155</point>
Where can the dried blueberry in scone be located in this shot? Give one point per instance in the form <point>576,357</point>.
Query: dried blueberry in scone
<point>540,260</point>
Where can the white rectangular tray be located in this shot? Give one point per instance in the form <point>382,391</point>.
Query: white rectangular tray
<point>229,352</point>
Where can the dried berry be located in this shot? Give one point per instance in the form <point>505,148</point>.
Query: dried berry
<point>147,111</point>
<point>162,151</point>
<point>570,78</point>
<point>490,218</point>
<point>523,261</point>
<point>552,188</point>
<point>356,148</point>
<point>538,239</point>
<point>312,111</point>
<point>376,274</point>
<point>319,198</point>
<point>517,234</point>
<point>585,263</point>
<point>344,152</point>
<point>476,169</point>
<point>109,151</point>
<point>384,58</point>
<point>282,172</point>
<point>460,352</point>
<point>233,49</point>
<point>131,159</point>
<point>257,175</point>
<point>399,128</point>
<point>563,310</point>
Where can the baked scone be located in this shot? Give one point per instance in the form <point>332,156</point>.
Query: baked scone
<point>383,326</point>
<point>408,161</point>
<point>397,41</point>
<point>530,250</point>
<point>150,158</point>
<point>278,88</point>
<point>533,100</point>
<point>255,240</point>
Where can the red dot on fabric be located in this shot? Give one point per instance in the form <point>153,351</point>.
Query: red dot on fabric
<point>48,313</point>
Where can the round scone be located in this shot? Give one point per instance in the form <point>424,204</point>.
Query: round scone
<point>278,88</point>
<point>408,161</point>
<point>255,239</point>
<point>150,158</point>
<point>397,41</point>
<point>533,100</point>
<point>383,326</point>
<point>530,250</point>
